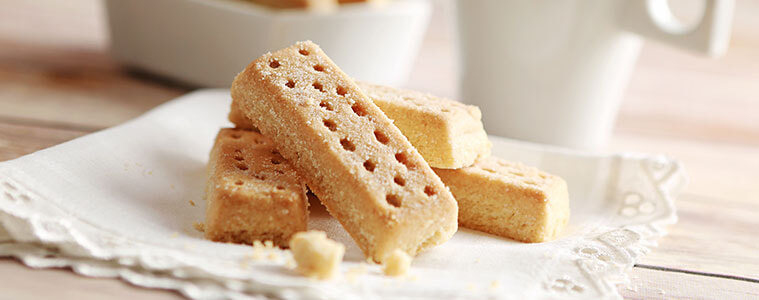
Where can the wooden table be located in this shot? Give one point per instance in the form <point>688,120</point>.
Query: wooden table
<point>57,82</point>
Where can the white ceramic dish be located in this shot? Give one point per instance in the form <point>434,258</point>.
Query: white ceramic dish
<point>117,203</point>
<point>207,42</point>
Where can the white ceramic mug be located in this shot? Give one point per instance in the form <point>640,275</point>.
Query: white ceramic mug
<point>554,71</point>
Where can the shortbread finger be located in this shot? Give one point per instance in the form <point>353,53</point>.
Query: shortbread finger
<point>509,199</point>
<point>253,193</point>
<point>353,158</point>
<point>446,133</point>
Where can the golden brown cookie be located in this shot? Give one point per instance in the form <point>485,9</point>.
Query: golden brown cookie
<point>253,193</point>
<point>509,199</point>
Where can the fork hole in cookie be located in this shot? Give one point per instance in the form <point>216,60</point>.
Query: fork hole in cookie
<point>290,83</point>
<point>403,159</point>
<point>429,190</point>
<point>319,68</point>
<point>359,110</point>
<point>393,200</point>
<point>318,86</point>
<point>279,187</point>
<point>325,105</point>
<point>341,90</point>
<point>239,182</point>
<point>242,167</point>
<point>330,125</point>
<point>238,158</point>
<point>347,145</point>
<point>276,161</point>
<point>381,137</point>
<point>369,165</point>
<point>303,52</point>
<point>274,64</point>
<point>399,180</point>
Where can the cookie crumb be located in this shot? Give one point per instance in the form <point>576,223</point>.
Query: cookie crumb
<point>397,263</point>
<point>315,255</point>
<point>494,284</point>
<point>199,226</point>
<point>273,256</point>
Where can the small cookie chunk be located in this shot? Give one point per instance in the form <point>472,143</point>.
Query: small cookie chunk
<point>397,264</point>
<point>253,193</point>
<point>316,255</point>
<point>448,134</point>
<point>509,199</point>
<point>351,155</point>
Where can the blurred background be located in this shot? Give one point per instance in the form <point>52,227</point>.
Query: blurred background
<point>59,80</point>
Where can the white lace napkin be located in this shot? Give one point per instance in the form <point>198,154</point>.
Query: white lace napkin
<point>122,202</point>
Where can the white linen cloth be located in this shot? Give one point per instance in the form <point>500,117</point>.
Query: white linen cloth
<point>118,203</point>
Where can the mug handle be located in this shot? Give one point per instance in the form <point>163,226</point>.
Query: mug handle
<point>654,19</point>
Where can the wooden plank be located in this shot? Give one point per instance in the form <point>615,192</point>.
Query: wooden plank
<point>19,139</point>
<point>712,236</point>
<point>20,282</point>
<point>708,99</point>
<point>655,285</point>
<point>74,86</point>
<point>717,170</point>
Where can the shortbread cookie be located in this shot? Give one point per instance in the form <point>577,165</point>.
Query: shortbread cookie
<point>253,193</point>
<point>447,133</point>
<point>509,199</point>
<point>351,155</point>
<point>316,255</point>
